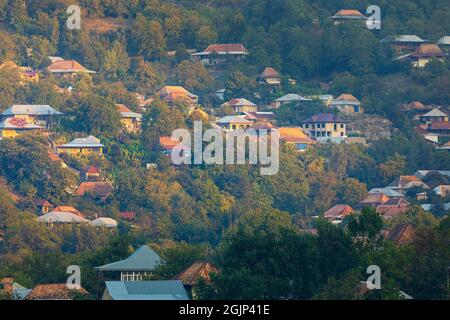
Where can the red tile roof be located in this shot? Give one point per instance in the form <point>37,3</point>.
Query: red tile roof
<point>349,12</point>
<point>198,270</point>
<point>67,66</point>
<point>122,108</point>
<point>270,72</point>
<point>69,209</point>
<point>428,50</point>
<point>102,189</point>
<point>53,292</point>
<point>401,233</point>
<point>229,47</point>
<point>128,215</point>
<point>92,170</point>
<point>339,210</point>
<point>347,97</point>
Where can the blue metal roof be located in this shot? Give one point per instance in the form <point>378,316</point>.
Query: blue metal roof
<point>144,259</point>
<point>147,290</point>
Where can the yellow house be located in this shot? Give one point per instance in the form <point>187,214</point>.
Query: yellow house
<point>171,94</point>
<point>12,127</point>
<point>41,115</point>
<point>234,123</point>
<point>425,53</point>
<point>325,125</point>
<point>296,137</point>
<point>241,105</point>
<point>131,121</point>
<point>197,113</point>
<point>82,147</point>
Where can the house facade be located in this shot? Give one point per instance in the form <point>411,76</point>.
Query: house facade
<point>241,105</point>
<point>325,125</point>
<point>136,267</point>
<point>82,147</point>
<point>41,115</point>
<point>131,121</point>
<point>234,123</point>
<point>347,103</point>
<point>288,98</point>
<point>220,54</point>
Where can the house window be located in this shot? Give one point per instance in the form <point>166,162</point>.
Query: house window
<point>342,134</point>
<point>328,133</point>
<point>342,126</point>
<point>335,127</point>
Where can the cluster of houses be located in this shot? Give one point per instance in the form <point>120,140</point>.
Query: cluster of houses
<point>127,279</point>
<point>391,201</point>
<point>416,50</point>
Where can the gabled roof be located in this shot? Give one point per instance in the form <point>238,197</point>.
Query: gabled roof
<point>54,292</point>
<point>61,217</point>
<point>324,118</point>
<point>233,119</point>
<point>68,209</point>
<point>291,97</point>
<point>428,51</point>
<point>388,192</point>
<point>147,290</point>
<point>348,14</point>
<point>435,113</point>
<point>89,142</point>
<point>401,233</point>
<point>445,40</point>
<point>229,48</point>
<point>198,270</point>
<point>403,38</point>
<point>143,259</point>
<point>127,113</point>
<point>407,182</point>
<point>92,170</point>
<point>338,211</point>
<point>237,102</point>
<point>104,223</point>
<point>101,189</point>
<point>374,199</point>
<point>31,110</point>
<point>169,143</point>
<point>67,66</point>
<point>389,212</point>
<point>19,124</point>
<point>269,72</point>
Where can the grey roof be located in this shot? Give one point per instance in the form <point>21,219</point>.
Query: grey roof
<point>403,38</point>
<point>229,119</point>
<point>435,113</point>
<point>144,259</point>
<point>444,40</point>
<point>324,118</point>
<point>61,217</point>
<point>90,141</point>
<point>131,115</point>
<point>292,97</point>
<point>147,290</point>
<point>387,192</point>
<point>29,109</point>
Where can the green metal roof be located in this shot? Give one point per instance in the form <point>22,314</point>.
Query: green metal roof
<point>147,290</point>
<point>144,259</point>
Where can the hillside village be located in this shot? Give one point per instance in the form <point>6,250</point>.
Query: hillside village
<point>86,176</point>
